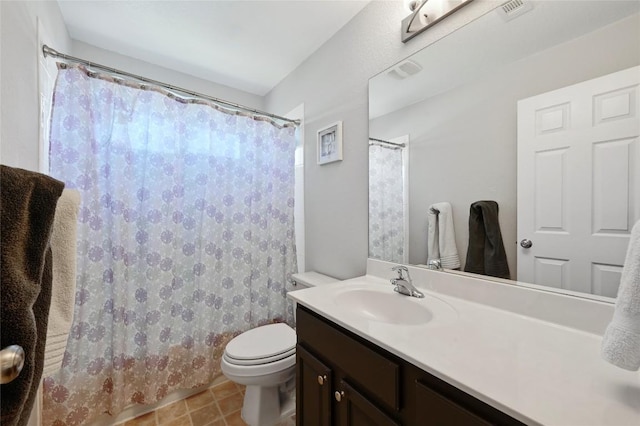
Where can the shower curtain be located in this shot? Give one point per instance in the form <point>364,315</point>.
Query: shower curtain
<point>185,238</point>
<point>387,206</point>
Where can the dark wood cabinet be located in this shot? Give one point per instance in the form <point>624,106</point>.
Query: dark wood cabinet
<point>314,390</point>
<point>354,409</point>
<point>441,410</point>
<point>343,379</point>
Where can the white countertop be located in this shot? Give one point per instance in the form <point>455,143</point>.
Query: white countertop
<point>536,371</point>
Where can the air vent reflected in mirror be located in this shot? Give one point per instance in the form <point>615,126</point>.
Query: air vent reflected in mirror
<point>404,69</point>
<point>514,8</point>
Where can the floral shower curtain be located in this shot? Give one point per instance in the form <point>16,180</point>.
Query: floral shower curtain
<point>185,238</point>
<point>387,206</point>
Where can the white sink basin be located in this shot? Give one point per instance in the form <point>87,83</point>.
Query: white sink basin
<point>384,305</point>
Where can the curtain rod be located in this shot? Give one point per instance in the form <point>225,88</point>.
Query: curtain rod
<point>401,145</point>
<point>47,51</point>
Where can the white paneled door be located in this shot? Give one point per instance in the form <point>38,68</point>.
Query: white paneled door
<point>579,183</point>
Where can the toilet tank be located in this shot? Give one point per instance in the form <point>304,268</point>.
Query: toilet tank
<point>306,280</point>
<point>310,279</point>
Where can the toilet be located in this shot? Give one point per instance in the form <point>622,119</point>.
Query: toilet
<point>264,360</point>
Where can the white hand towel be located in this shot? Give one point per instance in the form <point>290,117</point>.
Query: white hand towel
<point>621,340</point>
<point>63,250</point>
<point>441,239</point>
<point>433,245</point>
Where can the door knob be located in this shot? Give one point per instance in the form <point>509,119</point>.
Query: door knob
<point>526,243</point>
<point>339,395</point>
<point>322,379</point>
<point>11,363</point>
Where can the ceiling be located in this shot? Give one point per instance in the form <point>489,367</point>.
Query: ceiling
<point>488,43</point>
<point>247,45</point>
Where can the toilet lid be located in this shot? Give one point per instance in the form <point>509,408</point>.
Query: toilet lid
<point>265,343</point>
<point>261,361</point>
<point>256,372</point>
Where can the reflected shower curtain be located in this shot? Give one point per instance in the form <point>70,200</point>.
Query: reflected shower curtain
<point>387,212</point>
<point>185,239</point>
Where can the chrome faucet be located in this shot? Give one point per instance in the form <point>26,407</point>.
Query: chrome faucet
<point>404,285</point>
<point>435,264</point>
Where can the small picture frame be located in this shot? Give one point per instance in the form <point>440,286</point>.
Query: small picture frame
<point>330,143</point>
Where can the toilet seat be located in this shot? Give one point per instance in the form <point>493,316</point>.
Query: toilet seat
<point>256,370</point>
<point>262,350</point>
<point>258,361</point>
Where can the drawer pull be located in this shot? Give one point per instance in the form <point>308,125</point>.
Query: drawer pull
<point>322,379</point>
<point>339,395</point>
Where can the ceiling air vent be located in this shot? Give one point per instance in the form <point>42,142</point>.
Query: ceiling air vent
<point>404,69</point>
<point>514,8</point>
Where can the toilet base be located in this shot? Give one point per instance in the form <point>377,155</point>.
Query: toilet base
<point>266,405</point>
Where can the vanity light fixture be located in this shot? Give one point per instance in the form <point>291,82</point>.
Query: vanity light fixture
<point>425,13</point>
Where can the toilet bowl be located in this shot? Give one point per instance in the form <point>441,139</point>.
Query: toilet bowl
<point>264,359</point>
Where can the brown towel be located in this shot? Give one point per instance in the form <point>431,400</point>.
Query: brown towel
<point>486,253</point>
<point>27,206</point>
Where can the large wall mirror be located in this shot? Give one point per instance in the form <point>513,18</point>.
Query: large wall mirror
<point>537,112</point>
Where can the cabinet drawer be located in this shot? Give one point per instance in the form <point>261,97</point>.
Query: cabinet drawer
<point>435,409</point>
<point>372,371</point>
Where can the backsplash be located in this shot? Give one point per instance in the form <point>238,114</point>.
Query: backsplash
<point>591,316</point>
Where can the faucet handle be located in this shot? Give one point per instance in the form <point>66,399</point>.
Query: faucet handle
<point>399,269</point>
<point>435,264</point>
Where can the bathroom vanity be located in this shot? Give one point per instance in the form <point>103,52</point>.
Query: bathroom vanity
<point>343,379</point>
<point>471,352</point>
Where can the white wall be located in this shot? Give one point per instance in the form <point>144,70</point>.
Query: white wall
<point>466,150</point>
<point>164,75</point>
<point>19,111</point>
<point>333,84</point>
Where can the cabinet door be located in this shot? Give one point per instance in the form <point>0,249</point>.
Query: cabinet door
<point>354,409</point>
<point>313,381</point>
<point>433,408</point>
<point>367,367</point>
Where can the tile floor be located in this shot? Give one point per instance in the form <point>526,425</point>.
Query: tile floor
<point>217,406</point>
